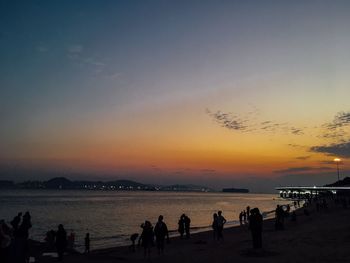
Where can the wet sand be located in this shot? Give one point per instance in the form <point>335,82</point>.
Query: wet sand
<point>321,237</point>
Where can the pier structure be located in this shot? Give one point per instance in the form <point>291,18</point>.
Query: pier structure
<point>307,192</point>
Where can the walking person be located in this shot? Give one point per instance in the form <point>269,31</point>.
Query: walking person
<point>161,231</point>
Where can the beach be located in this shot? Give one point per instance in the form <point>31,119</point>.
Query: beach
<point>323,236</point>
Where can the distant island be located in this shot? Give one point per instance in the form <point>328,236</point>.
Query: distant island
<point>117,185</point>
<point>235,190</point>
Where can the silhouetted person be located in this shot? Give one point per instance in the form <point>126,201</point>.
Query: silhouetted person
<point>240,218</point>
<point>61,241</point>
<point>21,239</point>
<point>279,214</point>
<point>181,226</point>
<point>5,242</point>
<point>147,237</point>
<point>161,231</point>
<point>255,225</point>
<point>187,222</point>
<point>87,243</point>
<point>50,239</point>
<point>214,225</point>
<point>244,216</point>
<point>15,222</point>
<point>248,212</point>
<point>133,238</point>
<point>221,223</point>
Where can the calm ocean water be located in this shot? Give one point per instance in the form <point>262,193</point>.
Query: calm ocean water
<point>110,217</point>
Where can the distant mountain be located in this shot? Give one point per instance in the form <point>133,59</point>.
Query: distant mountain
<point>59,183</point>
<point>344,182</point>
<point>64,183</point>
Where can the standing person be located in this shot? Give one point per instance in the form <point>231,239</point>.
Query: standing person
<point>187,222</point>
<point>279,214</point>
<point>87,243</point>
<point>244,217</point>
<point>255,226</point>
<point>240,218</point>
<point>5,242</point>
<point>15,222</point>
<point>161,231</point>
<point>214,225</point>
<point>21,239</point>
<point>181,227</point>
<point>146,237</point>
<point>248,213</point>
<point>61,241</point>
<point>221,223</point>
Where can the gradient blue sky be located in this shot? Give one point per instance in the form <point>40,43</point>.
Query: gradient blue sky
<point>121,87</point>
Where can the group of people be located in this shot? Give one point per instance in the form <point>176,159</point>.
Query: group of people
<point>184,226</point>
<point>14,238</point>
<point>160,232</point>
<point>14,245</point>
<point>218,225</point>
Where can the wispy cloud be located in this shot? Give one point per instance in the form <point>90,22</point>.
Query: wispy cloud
<point>341,119</point>
<point>229,120</point>
<point>248,123</point>
<point>75,49</point>
<point>338,129</point>
<point>302,169</point>
<point>303,157</point>
<point>78,54</point>
<point>341,149</point>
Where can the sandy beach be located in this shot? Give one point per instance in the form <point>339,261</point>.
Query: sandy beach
<point>323,236</point>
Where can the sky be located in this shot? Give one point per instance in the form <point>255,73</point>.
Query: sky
<point>219,93</point>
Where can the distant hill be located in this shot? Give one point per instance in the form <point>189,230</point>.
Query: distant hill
<point>344,182</point>
<point>59,183</point>
<point>64,183</point>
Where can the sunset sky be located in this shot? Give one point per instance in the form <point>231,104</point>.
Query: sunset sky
<point>220,93</point>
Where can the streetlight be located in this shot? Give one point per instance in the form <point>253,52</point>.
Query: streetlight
<point>337,161</point>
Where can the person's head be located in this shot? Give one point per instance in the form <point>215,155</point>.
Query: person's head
<point>147,224</point>
<point>219,213</point>
<point>60,227</point>
<point>183,216</point>
<point>87,234</point>
<point>19,214</point>
<point>26,215</point>
<point>255,211</point>
<point>160,218</point>
<point>215,215</point>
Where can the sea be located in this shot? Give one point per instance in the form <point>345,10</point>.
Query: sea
<point>112,216</point>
